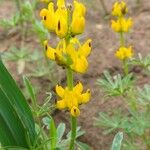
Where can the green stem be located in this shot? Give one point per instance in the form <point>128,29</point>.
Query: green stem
<point>73,132</point>
<point>122,44</point>
<point>125,67</point>
<point>122,40</point>
<point>69,78</point>
<point>44,147</point>
<point>73,119</point>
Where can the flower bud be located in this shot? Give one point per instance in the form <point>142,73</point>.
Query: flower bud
<point>75,112</point>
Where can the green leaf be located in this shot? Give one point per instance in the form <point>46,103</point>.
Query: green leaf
<point>116,145</point>
<point>79,133</point>
<point>47,122</point>
<point>116,85</point>
<point>31,91</point>
<point>60,131</point>
<point>17,126</point>
<point>53,134</point>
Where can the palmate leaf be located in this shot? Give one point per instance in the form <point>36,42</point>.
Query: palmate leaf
<point>115,85</point>
<point>17,127</point>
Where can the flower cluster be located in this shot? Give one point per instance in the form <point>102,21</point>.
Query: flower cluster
<point>60,20</point>
<point>122,25</point>
<point>71,99</point>
<point>124,53</point>
<point>73,55</point>
<point>67,22</point>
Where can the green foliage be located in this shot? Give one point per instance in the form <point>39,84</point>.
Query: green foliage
<point>144,95</point>
<point>116,145</point>
<point>135,121</point>
<point>112,123</point>
<point>9,23</point>
<point>16,54</point>
<point>38,110</point>
<point>141,61</point>
<point>39,29</point>
<point>16,122</point>
<point>116,85</point>
<point>20,56</point>
<point>57,134</point>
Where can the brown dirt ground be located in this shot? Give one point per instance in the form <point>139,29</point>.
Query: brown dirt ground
<point>102,57</point>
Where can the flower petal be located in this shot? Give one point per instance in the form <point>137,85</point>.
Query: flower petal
<point>61,104</point>
<point>60,91</point>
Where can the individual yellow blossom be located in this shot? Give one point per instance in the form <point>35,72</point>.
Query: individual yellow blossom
<point>56,21</point>
<point>79,57</point>
<point>122,24</point>
<point>119,9</point>
<point>77,25</point>
<point>56,54</point>
<point>124,53</point>
<point>59,20</point>
<point>71,99</point>
<point>48,16</point>
<point>73,55</point>
<point>78,18</point>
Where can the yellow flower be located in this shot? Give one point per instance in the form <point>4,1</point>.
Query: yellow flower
<point>74,55</point>
<point>78,20</point>
<point>79,56</point>
<point>122,24</point>
<point>56,54</point>
<point>124,53</point>
<point>119,9</point>
<point>61,23</point>
<point>58,20</point>
<point>48,17</point>
<point>71,99</point>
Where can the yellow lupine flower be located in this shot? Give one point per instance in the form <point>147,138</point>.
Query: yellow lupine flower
<point>61,27</point>
<point>57,20</point>
<point>71,99</point>
<point>48,16</point>
<point>50,52</point>
<point>78,56</point>
<point>78,20</point>
<point>77,25</point>
<point>122,24</point>
<point>85,49</point>
<point>124,53</point>
<point>75,111</point>
<point>119,9</point>
<point>56,54</point>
